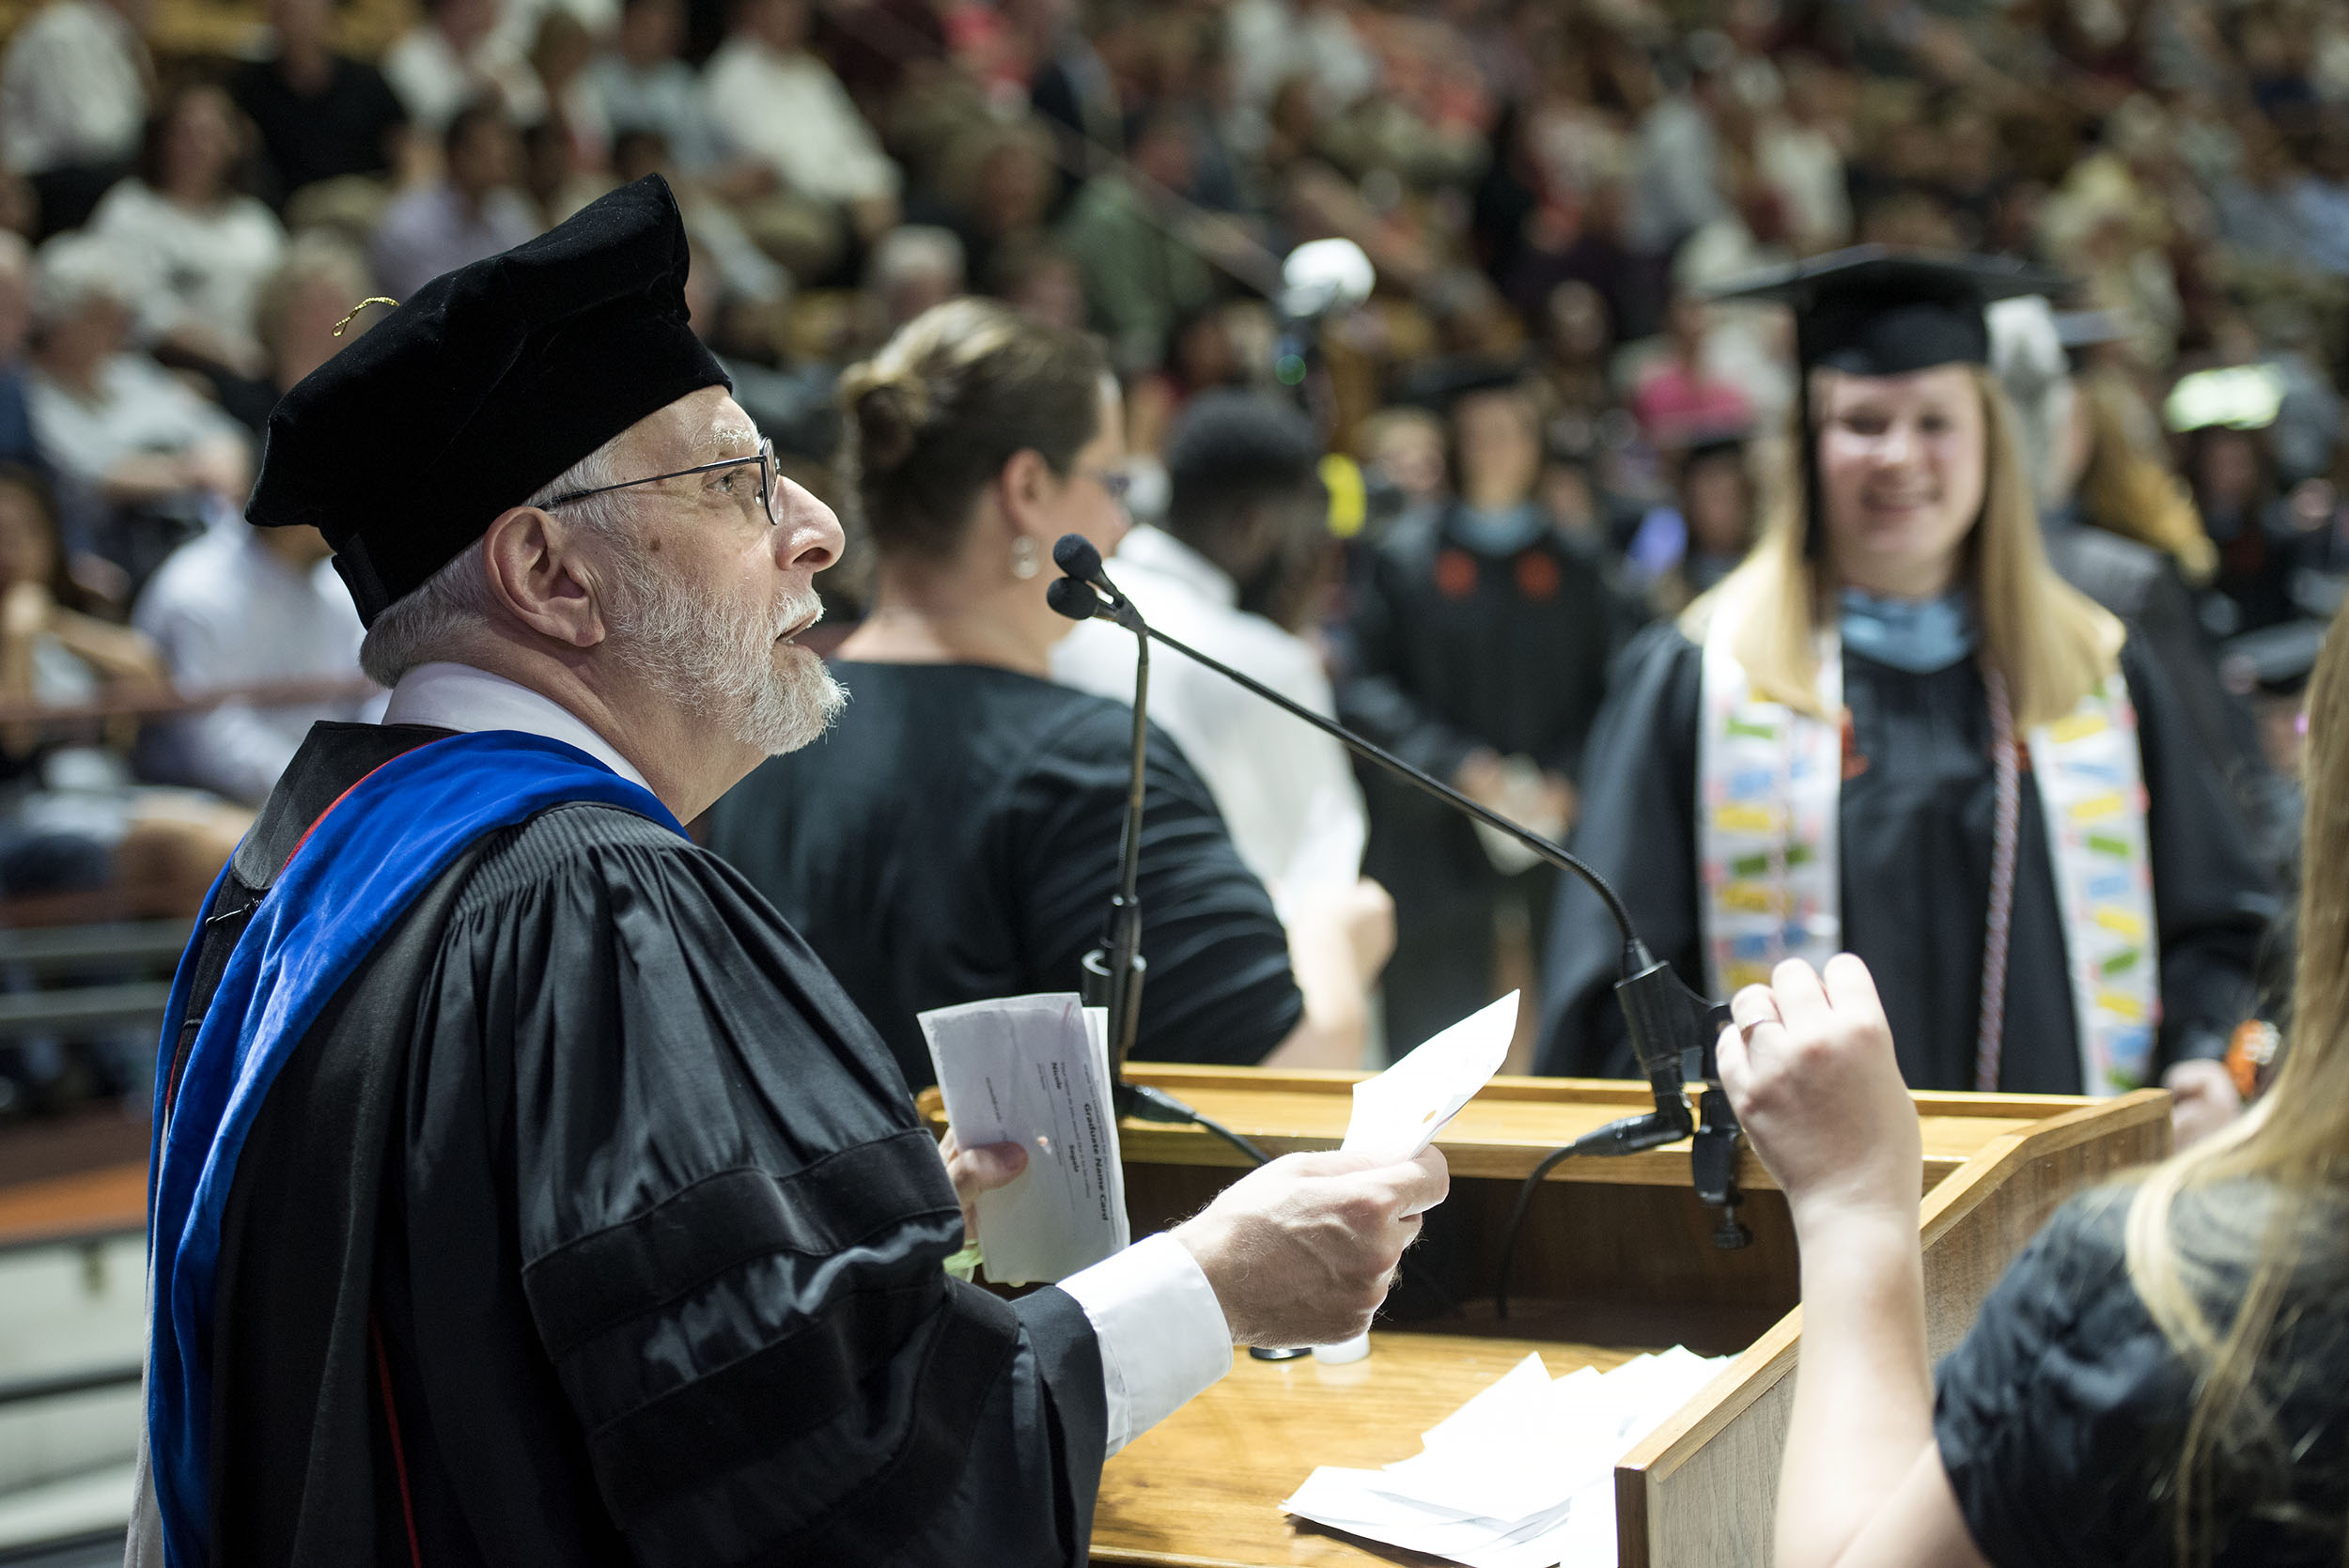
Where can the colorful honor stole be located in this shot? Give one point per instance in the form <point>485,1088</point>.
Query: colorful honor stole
<point>1770,785</point>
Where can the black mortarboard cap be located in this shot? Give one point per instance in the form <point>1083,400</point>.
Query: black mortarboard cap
<point>1872,310</point>
<point>480,388</point>
<point>1701,442</point>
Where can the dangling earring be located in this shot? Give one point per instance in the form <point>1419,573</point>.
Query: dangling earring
<point>1026,560</point>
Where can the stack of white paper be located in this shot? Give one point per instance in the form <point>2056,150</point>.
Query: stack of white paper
<point>1034,1071</point>
<point>1522,1476</point>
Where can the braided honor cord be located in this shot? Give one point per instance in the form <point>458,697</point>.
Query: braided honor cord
<point>1990,1040</point>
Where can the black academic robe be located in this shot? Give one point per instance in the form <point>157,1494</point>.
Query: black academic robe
<point>1917,808</point>
<point>2141,585</point>
<point>591,1224</point>
<point>1453,650</point>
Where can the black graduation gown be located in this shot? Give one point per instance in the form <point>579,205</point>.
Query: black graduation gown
<point>1915,850</point>
<point>1453,650</point>
<point>2141,585</point>
<point>591,1224</point>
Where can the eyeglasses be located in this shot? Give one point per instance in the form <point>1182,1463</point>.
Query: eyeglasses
<point>1115,480</point>
<point>763,457</point>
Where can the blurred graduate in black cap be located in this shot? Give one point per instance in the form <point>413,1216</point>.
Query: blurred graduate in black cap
<point>2264,528</point>
<point>524,1190</point>
<point>1480,637</point>
<point>2271,668</point>
<point>1896,730</point>
<point>1685,548</point>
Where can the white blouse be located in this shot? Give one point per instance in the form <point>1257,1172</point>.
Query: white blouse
<point>199,268</point>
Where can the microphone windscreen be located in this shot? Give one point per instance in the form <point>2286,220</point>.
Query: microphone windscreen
<point>1073,598</point>
<point>1074,554</point>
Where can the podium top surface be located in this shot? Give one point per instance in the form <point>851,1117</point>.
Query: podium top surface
<point>1507,1128</point>
<point>1202,1489</point>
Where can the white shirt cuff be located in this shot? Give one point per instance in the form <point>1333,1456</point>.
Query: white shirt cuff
<point>1161,1332</point>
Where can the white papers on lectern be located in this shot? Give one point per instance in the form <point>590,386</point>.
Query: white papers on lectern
<point>1034,1071</point>
<point>1521,1476</point>
<point>1400,1111</point>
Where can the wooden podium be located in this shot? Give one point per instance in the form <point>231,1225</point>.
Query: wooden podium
<point>1617,1256</point>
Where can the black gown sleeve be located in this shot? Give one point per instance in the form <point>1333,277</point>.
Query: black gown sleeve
<point>2211,900</point>
<point>2058,1413</point>
<point>1637,829</point>
<point>1218,986</point>
<point>727,1227</point>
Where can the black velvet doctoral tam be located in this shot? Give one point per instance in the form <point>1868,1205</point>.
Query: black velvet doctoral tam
<point>486,383</point>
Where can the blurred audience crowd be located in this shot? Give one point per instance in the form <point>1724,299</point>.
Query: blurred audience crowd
<point>1546,189</point>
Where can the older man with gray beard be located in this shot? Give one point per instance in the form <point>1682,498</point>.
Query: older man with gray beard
<point>524,1191</point>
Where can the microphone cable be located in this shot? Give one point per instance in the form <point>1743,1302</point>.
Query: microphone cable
<point>1526,1189</point>
<point>1208,1123</point>
<point>1146,1104</point>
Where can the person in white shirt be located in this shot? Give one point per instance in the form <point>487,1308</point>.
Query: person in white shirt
<point>245,607</point>
<point>1243,527</point>
<point>156,458</point>
<point>642,85</point>
<point>1271,42</point>
<point>205,245</point>
<point>770,100</point>
<point>74,93</point>
<point>71,818</point>
<point>1233,574</point>
<point>457,53</point>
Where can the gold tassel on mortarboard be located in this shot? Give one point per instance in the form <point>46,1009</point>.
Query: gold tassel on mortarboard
<point>370,300</point>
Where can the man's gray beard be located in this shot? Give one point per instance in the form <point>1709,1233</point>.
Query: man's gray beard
<point>725,673</point>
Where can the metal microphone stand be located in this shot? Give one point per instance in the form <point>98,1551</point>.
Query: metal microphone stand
<point>1671,1028</point>
<point>1114,972</point>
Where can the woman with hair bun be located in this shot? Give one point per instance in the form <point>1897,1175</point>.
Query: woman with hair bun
<point>956,837</point>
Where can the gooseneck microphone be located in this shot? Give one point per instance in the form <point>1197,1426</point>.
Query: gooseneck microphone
<point>1663,1018</point>
<point>1114,972</point>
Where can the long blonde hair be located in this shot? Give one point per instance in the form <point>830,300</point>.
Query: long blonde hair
<point>2052,643</point>
<point>2277,1232</point>
<point>2129,492</point>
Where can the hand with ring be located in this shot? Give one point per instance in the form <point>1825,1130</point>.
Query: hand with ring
<point>1809,1065</point>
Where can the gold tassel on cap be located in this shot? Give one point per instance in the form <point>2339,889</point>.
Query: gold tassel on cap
<point>371,300</point>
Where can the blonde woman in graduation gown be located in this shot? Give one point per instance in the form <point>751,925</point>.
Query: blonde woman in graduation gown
<point>1895,731</point>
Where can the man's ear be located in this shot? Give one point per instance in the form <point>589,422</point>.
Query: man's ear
<point>537,567</point>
